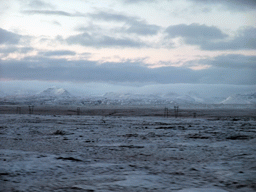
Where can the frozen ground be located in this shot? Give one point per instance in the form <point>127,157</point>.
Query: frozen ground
<point>96,153</point>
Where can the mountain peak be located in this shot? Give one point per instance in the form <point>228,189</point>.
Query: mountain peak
<point>55,92</point>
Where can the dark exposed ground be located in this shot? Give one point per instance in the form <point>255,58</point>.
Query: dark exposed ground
<point>127,149</point>
<point>131,111</point>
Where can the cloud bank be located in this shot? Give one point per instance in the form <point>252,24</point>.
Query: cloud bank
<point>7,37</point>
<point>212,38</point>
<point>226,69</point>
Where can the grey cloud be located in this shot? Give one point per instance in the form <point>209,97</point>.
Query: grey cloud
<point>50,12</point>
<point>227,61</point>
<point>90,28</point>
<point>227,76</point>
<point>228,69</point>
<point>239,5</point>
<point>112,17</point>
<point>195,32</point>
<point>86,39</point>
<point>143,29</point>
<point>232,61</point>
<point>139,1</point>
<point>234,5</point>
<point>245,40</point>
<point>39,4</point>
<point>57,53</point>
<point>7,37</point>
<point>212,38</point>
<point>127,72</point>
<point>47,12</point>
<point>88,71</point>
<point>56,23</point>
<point>133,24</point>
<point>8,50</point>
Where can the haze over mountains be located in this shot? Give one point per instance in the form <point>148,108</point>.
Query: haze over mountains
<point>60,96</point>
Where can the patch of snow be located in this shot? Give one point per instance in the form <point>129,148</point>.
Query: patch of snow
<point>139,180</point>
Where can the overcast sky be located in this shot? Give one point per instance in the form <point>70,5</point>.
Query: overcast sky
<point>117,45</point>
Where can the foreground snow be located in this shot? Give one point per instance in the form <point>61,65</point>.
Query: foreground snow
<point>94,153</point>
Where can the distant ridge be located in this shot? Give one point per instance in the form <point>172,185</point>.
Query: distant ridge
<point>60,96</point>
<point>241,99</point>
<point>54,92</point>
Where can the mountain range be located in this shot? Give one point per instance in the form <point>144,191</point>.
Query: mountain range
<point>60,96</point>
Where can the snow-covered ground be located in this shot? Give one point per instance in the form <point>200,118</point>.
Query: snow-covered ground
<point>113,153</point>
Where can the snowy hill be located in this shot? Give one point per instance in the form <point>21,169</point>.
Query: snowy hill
<point>241,99</point>
<point>60,96</point>
<point>50,96</point>
<point>54,92</point>
<point>149,99</point>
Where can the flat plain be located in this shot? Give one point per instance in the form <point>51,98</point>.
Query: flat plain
<point>127,149</point>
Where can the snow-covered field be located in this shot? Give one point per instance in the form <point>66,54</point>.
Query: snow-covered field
<point>114,153</point>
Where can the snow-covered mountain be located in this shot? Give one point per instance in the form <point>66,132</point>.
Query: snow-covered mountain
<point>60,96</point>
<point>54,92</point>
<point>241,99</point>
<point>147,99</point>
<point>50,96</point>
